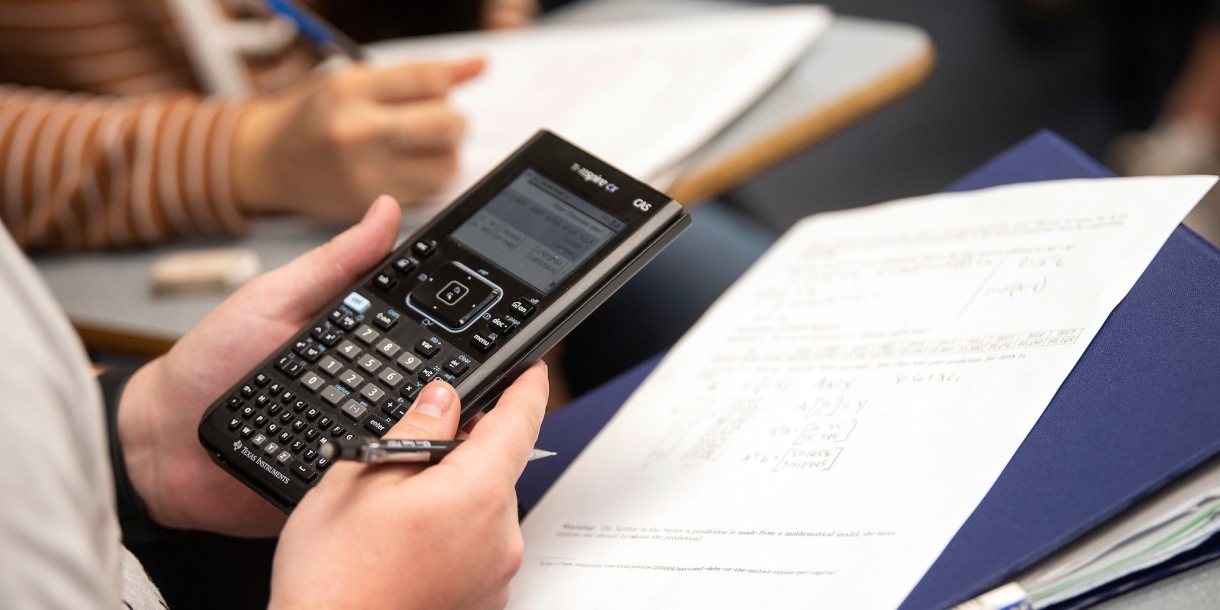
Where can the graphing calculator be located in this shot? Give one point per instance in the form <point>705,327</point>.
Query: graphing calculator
<point>472,298</point>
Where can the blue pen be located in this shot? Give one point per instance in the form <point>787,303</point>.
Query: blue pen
<point>315,28</point>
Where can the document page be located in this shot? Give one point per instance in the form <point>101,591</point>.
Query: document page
<point>821,434</point>
<point>643,95</point>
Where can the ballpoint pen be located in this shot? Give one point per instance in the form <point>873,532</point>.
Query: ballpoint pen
<point>397,450</point>
<point>319,30</point>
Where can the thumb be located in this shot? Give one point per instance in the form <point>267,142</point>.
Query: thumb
<point>433,416</point>
<point>310,281</point>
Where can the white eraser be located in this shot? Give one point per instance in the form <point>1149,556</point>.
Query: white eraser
<point>201,271</point>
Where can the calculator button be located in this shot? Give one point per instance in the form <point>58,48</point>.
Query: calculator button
<point>304,472</point>
<point>337,431</point>
<point>455,366</point>
<point>379,425</point>
<point>297,446</point>
<point>262,400</point>
<point>357,302</point>
<point>351,379</point>
<point>284,457</point>
<point>481,343</point>
<point>424,249</point>
<point>522,308</point>
<point>322,463</point>
<point>404,265</point>
<point>372,392</point>
<point>313,381</point>
<point>391,377</point>
<point>330,366</point>
<point>247,390</point>
<point>336,315</point>
<point>275,388</point>
<point>258,440</point>
<point>271,448</point>
<point>383,281</point>
<point>330,338</point>
<point>287,417</point>
<point>389,406</point>
<point>285,437</point>
<point>410,391</point>
<point>369,363</point>
<point>310,354</point>
<point>353,410</point>
<point>367,334</point>
<point>349,350</point>
<point>384,321</point>
<point>501,327</point>
<point>234,424</point>
<point>246,431</point>
<point>247,412</point>
<point>260,421</point>
<point>262,379</point>
<point>309,455</point>
<point>332,395</point>
<point>347,322</point>
<point>311,434</point>
<point>411,362</point>
<point>324,422</point>
<point>287,397</point>
<point>290,366</point>
<point>388,348</point>
<point>234,401</point>
<point>312,414</point>
<point>298,425</point>
<point>299,406</point>
<point>454,295</point>
<point>427,348</point>
<point>274,408</point>
<point>401,411</point>
<point>427,375</point>
<point>272,429</point>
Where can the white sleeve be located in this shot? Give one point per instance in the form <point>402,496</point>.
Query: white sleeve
<point>60,543</point>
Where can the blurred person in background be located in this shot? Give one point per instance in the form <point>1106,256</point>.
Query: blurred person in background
<point>107,139</point>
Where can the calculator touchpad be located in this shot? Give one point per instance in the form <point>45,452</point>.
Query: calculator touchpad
<point>453,296</point>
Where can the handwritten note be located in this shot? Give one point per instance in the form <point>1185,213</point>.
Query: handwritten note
<point>821,434</point>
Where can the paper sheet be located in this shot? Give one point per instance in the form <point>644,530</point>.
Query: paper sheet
<point>641,95</point>
<point>824,430</point>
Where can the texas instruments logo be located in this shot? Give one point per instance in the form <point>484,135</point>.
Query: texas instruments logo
<point>236,445</point>
<point>588,176</point>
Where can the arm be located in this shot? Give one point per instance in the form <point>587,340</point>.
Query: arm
<point>87,172</point>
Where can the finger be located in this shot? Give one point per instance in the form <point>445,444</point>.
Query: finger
<point>422,126</point>
<point>412,81</point>
<point>502,441</point>
<point>303,286</point>
<point>433,416</point>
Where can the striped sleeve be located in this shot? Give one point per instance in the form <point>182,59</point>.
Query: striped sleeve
<point>80,171</point>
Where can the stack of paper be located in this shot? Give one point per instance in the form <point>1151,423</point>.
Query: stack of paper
<point>819,437</point>
<point>642,95</point>
<point>1177,519</point>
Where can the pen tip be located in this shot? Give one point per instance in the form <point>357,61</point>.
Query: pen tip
<point>537,454</point>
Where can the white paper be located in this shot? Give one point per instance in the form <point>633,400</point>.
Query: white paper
<point>641,95</point>
<point>823,431</point>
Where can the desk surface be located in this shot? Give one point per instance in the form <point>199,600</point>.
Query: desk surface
<point>858,66</point>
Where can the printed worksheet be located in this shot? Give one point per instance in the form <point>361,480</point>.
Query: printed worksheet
<point>642,95</point>
<point>821,434</point>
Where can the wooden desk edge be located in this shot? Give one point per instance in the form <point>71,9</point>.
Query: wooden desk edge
<point>715,178</point>
<point>122,343</point>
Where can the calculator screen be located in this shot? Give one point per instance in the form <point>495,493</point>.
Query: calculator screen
<point>537,230</point>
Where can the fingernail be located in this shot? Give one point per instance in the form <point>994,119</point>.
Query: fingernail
<point>376,202</point>
<point>434,401</point>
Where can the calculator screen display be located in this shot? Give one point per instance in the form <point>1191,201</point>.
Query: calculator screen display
<point>537,230</point>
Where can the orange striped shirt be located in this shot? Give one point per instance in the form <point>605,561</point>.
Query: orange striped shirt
<point>103,140</point>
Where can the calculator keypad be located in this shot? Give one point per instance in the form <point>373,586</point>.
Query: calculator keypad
<point>356,369</point>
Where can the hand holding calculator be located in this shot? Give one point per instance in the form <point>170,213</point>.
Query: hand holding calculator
<point>473,298</point>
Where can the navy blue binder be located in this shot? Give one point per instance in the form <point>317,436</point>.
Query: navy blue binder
<point>1141,407</point>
